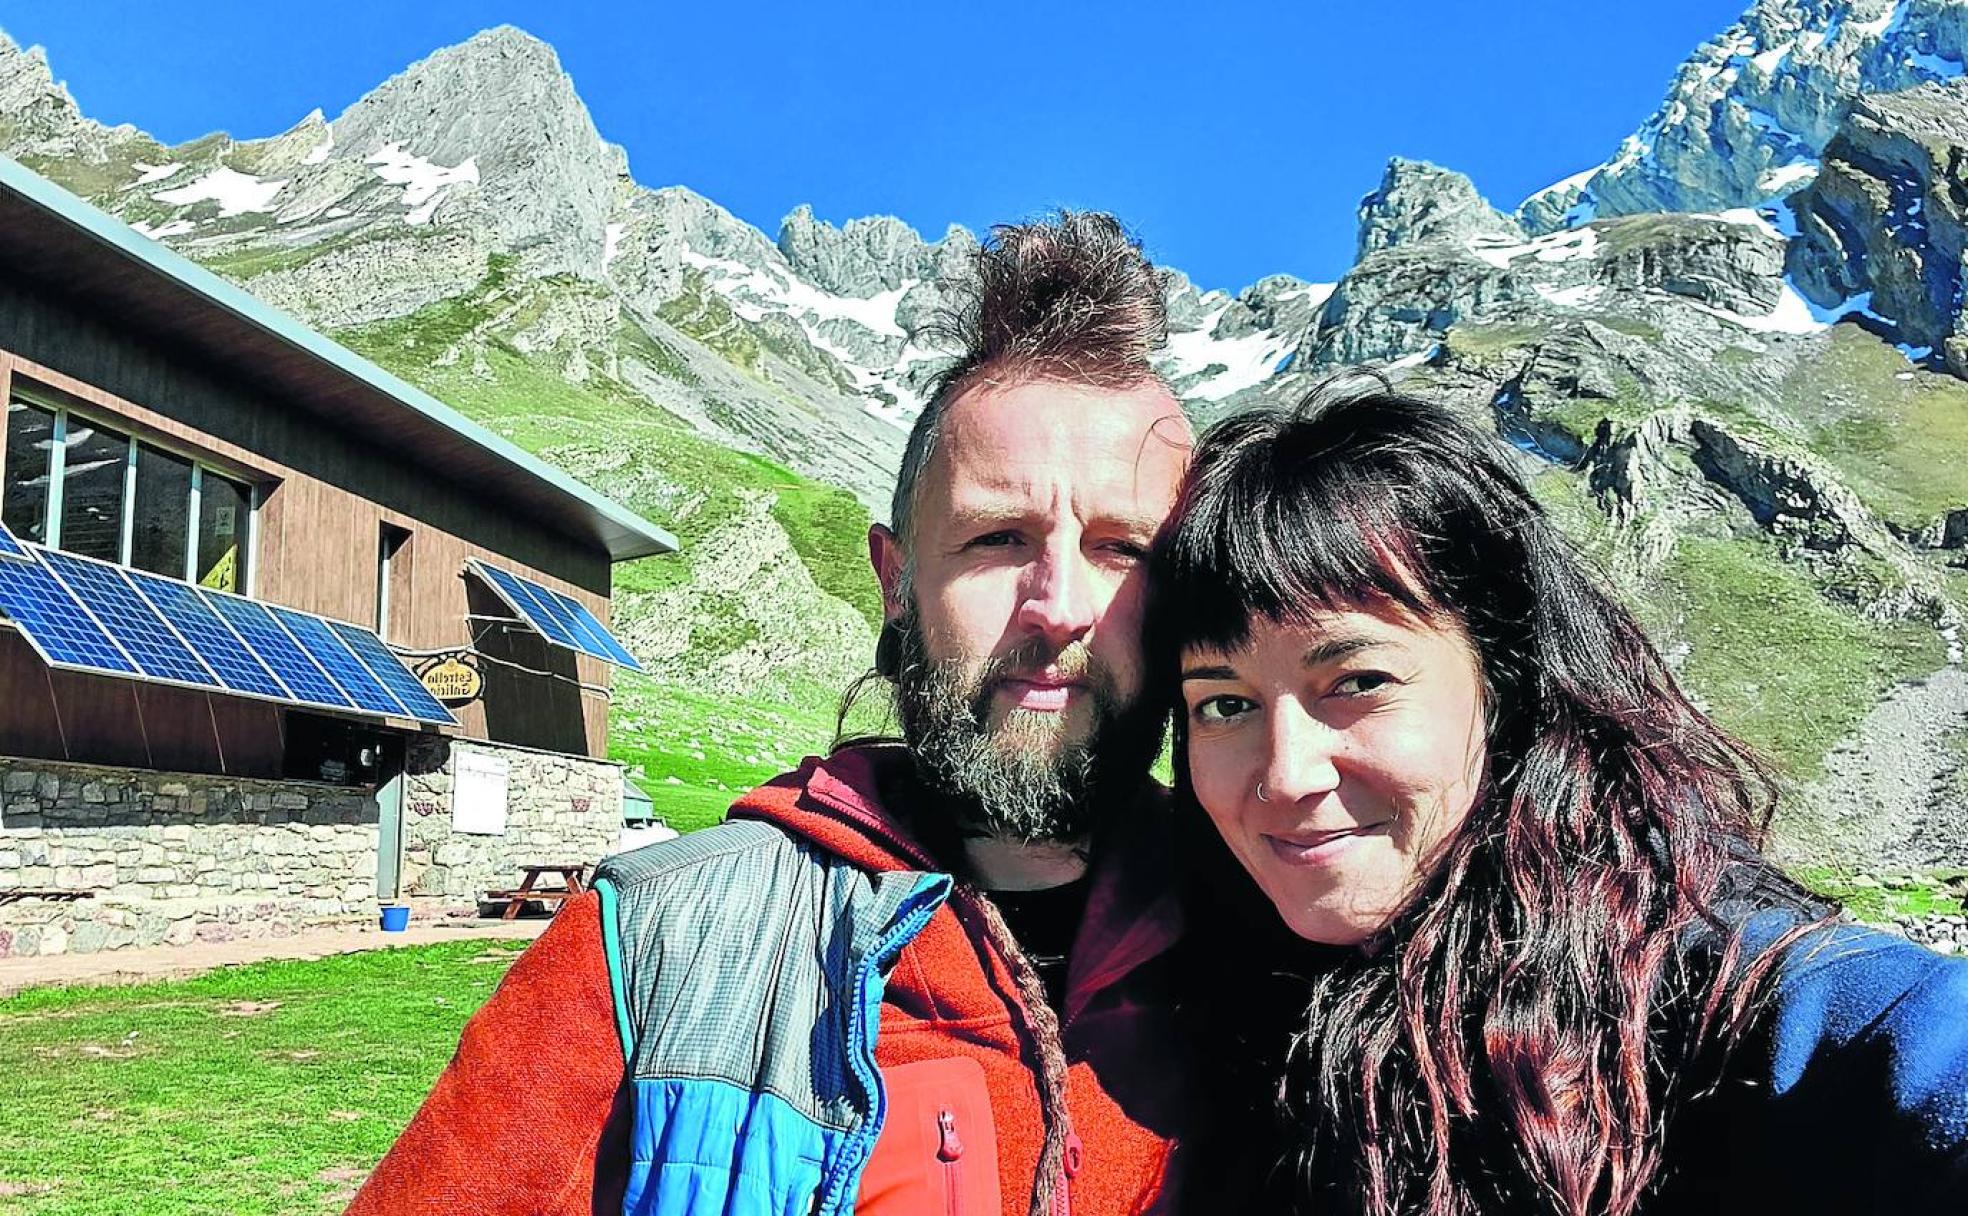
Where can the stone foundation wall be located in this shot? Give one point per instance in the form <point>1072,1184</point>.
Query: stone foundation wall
<point>559,808</point>
<point>169,858</point>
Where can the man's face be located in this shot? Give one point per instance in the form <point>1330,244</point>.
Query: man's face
<point>1022,677</point>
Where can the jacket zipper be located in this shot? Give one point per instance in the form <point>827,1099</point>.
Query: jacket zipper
<point>1069,1169</point>
<point>949,1150</point>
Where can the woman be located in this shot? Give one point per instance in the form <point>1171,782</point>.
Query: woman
<point>1544,968</point>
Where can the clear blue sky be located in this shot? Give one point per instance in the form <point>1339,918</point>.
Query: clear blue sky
<point>1237,139</point>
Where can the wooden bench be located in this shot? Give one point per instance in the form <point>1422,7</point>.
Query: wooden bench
<point>572,874</point>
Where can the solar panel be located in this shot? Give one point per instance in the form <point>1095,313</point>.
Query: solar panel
<point>55,623</point>
<point>89,615</point>
<point>518,594</point>
<point>391,671</point>
<point>10,546</point>
<point>237,667</point>
<point>340,662</point>
<point>256,626</point>
<point>145,636</point>
<point>611,649</point>
<point>561,619</point>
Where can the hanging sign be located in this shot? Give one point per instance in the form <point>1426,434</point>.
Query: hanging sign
<point>452,678</point>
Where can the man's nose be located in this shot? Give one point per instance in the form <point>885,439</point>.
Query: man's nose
<point>1301,762</point>
<point>1057,601</point>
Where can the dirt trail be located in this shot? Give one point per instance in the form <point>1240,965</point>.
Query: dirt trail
<point>180,962</point>
<point>1889,801</point>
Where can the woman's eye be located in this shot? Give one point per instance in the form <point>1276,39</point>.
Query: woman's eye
<point>1221,708</point>
<point>1361,683</point>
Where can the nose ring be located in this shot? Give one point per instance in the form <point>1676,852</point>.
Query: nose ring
<point>1260,791</point>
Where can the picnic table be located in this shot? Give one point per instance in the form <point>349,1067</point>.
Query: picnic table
<point>573,878</point>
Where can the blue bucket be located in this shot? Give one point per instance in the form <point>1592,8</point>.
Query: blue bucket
<point>396,918</point>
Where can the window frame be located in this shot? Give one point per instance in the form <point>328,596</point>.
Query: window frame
<point>58,471</point>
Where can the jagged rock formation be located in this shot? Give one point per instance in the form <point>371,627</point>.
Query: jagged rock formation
<point>1435,256</point>
<point>1750,112</point>
<point>1423,204</point>
<point>861,259</point>
<point>1885,217</point>
<point>521,149</point>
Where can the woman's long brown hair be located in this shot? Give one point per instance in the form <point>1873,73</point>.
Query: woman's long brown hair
<point>1500,1047</point>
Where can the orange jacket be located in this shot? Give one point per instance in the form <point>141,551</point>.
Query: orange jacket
<point>530,1115</point>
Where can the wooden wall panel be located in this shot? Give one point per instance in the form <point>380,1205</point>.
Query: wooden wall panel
<point>29,725</point>
<point>252,736</point>
<point>179,730</point>
<point>101,719</point>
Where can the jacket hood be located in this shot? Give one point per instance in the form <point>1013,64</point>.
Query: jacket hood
<point>837,803</point>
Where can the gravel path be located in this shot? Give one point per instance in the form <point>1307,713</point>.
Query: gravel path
<point>1890,799</point>
<point>180,962</point>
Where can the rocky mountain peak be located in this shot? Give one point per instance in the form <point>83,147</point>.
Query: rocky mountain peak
<point>37,115</point>
<point>497,113</point>
<point>862,258</point>
<point>1887,218</point>
<point>1419,204</point>
<point>1748,115</point>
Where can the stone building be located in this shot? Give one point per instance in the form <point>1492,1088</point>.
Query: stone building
<point>281,636</point>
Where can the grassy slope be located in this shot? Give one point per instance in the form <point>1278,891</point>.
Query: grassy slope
<point>1774,660</point>
<point>1896,441</point>
<point>252,1091</point>
<point>695,751</point>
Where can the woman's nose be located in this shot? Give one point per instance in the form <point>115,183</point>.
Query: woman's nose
<point>1302,750</point>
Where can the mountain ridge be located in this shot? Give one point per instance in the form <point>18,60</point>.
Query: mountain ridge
<point>1685,342</point>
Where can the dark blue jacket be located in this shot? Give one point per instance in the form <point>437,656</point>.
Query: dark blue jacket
<point>1849,1093</point>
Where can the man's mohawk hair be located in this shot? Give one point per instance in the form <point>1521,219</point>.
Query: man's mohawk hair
<point>1069,298</point>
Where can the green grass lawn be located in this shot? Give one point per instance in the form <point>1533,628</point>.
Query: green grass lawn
<point>272,1088</point>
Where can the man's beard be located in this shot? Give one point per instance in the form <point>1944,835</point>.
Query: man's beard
<point>1022,777</point>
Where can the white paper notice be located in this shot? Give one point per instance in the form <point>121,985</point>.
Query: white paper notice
<point>478,794</point>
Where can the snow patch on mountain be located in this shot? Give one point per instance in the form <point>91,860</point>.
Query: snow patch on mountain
<point>149,174</point>
<point>1562,246</point>
<point>424,182</point>
<point>236,193</point>
<point>319,153</point>
<point>174,228</point>
<point>755,290</point>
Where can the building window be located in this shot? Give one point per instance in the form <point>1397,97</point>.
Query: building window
<point>225,510</point>
<point>95,475</point>
<point>389,544</point>
<point>30,446</point>
<point>160,534</point>
<point>77,485</point>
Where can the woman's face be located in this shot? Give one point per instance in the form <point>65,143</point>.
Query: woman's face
<point>1337,759</point>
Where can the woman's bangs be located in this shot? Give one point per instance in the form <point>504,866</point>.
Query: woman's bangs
<point>1290,548</point>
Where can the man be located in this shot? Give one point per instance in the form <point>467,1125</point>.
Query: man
<point>900,979</point>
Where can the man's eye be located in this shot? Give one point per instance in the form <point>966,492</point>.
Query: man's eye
<point>1362,682</point>
<point>1222,708</point>
<point>1126,549</point>
<point>992,540</point>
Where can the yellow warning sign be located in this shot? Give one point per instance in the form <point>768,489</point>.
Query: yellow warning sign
<point>224,574</point>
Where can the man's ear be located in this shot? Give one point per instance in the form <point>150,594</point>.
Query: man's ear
<point>886,556</point>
